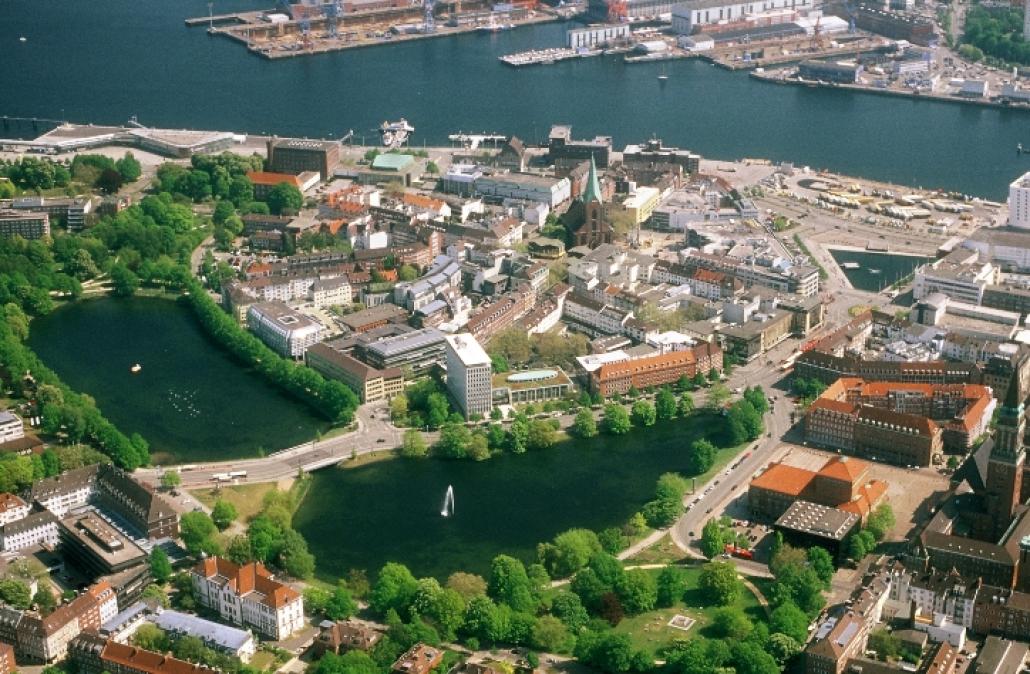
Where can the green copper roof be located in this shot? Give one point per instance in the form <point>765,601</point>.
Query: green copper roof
<point>593,190</point>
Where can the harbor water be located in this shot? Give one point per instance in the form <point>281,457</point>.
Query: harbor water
<point>103,62</point>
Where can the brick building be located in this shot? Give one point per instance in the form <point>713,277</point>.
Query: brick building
<point>657,370</point>
<point>842,483</point>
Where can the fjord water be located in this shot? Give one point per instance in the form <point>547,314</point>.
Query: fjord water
<point>191,401</point>
<point>876,271</point>
<point>103,62</point>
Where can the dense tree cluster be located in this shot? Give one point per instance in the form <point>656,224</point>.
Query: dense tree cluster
<point>519,348</point>
<point>333,399</point>
<point>35,173</point>
<point>190,648</point>
<point>270,538</point>
<point>222,176</point>
<point>997,32</point>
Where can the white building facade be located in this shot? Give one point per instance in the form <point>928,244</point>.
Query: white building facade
<point>1019,190</point>
<point>469,374</point>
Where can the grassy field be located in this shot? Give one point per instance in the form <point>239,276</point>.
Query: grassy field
<point>651,631</point>
<point>662,552</point>
<point>246,498</point>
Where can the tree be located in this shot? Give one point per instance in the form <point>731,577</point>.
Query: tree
<point>454,441</point>
<point>351,662</point>
<point>82,266</point>
<point>612,540</point>
<point>665,405</point>
<point>541,434</point>
<point>550,635</point>
<point>155,593</point>
<point>170,479</point>
<point>44,601</point>
<point>616,420</point>
<point>637,591</point>
<point>406,272</point>
<point>880,521</point>
<point>129,168</point>
<point>340,605</point>
<point>788,619</point>
<point>822,563</point>
<point>643,413</point>
<point>15,593</point>
<point>698,656</point>
<point>223,514</point>
<point>783,648</point>
<point>712,538</point>
<point>719,583</point>
<point>150,637</point>
<point>730,622</point>
<point>160,566</point>
<point>198,533</point>
<point>756,396</point>
<point>584,425</point>
<point>671,586</point>
<point>717,396</point>
<point>125,282</point>
<point>110,181</point>
<point>294,557</point>
<point>509,583</point>
<point>570,552</point>
<point>394,589</point>
<point>284,197</point>
<point>568,608</point>
<point>749,658</point>
<point>414,444</point>
<point>701,457</point>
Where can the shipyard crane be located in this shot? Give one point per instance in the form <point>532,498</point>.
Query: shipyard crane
<point>429,22</point>
<point>331,10</point>
<point>618,11</point>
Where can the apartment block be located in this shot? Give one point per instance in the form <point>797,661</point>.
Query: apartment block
<point>369,383</point>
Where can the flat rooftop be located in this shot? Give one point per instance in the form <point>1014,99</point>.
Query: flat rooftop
<point>817,520</point>
<point>468,350</point>
<point>283,315</point>
<point>106,542</point>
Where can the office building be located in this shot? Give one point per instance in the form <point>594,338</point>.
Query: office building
<point>374,317</point>
<point>1019,195</point>
<point>297,155</point>
<point>513,388</point>
<point>369,383</point>
<point>288,332</point>
<point>468,374</point>
<point>248,595</point>
<point>525,187</point>
<point>27,225</point>
<point>658,370</point>
<point>95,546</point>
<point>564,151</point>
<point>419,350</point>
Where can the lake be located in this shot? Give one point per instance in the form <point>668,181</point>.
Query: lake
<point>191,401</point>
<point>390,511</point>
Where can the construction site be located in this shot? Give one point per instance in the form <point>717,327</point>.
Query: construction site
<point>313,27</point>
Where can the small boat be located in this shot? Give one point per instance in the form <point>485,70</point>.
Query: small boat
<point>874,271</point>
<point>135,368</point>
<point>23,39</point>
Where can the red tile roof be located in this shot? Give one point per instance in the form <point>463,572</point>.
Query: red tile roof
<point>272,179</point>
<point>248,578</point>
<point>845,468</point>
<point>148,661</point>
<point>785,479</point>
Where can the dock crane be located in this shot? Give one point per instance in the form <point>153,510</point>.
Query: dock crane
<point>429,22</point>
<point>331,10</point>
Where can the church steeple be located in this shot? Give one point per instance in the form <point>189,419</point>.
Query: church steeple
<point>1008,436</point>
<point>593,189</point>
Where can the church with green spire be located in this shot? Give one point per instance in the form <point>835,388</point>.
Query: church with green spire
<point>596,229</point>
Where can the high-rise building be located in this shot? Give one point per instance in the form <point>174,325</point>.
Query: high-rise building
<point>469,374</point>
<point>1005,469</point>
<point>1019,190</point>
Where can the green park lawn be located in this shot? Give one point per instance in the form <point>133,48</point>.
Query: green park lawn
<point>651,631</point>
